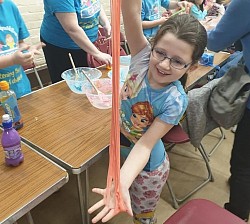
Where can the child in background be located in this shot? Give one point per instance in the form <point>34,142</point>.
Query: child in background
<point>152,17</point>
<point>14,53</point>
<point>200,8</point>
<point>153,101</point>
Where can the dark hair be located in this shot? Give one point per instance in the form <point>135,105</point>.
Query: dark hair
<point>187,28</point>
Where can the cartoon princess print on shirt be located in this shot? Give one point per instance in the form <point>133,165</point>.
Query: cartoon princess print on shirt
<point>130,87</point>
<point>141,118</point>
<point>10,42</point>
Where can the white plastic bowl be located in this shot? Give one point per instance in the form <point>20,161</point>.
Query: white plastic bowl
<point>104,99</point>
<point>78,85</point>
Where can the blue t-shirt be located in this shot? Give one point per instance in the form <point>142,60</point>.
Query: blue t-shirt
<point>197,13</point>
<point>12,30</point>
<point>88,19</point>
<point>141,104</point>
<point>150,12</point>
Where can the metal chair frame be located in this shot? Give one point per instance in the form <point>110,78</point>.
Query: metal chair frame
<point>183,139</point>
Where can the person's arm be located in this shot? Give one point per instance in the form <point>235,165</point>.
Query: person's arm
<point>104,22</point>
<point>134,164</point>
<point>69,23</point>
<point>23,56</point>
<point>139,155</point>
<point>231,27</point>
<point>153,23</point>
<point>131,11</point>
<point>197,13</point>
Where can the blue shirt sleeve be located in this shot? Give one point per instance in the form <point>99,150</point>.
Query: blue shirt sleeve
<point>165,4</point>
<point>231,27</point>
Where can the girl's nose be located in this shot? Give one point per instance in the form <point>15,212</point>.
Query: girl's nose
<point>165,63</point>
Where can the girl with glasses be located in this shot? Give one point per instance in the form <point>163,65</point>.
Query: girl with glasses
<point>152,102</point>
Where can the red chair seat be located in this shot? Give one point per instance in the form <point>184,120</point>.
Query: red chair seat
<point>201,211</point>
<point>176,135</point>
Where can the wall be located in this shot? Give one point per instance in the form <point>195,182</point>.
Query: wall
<point>32,12</point>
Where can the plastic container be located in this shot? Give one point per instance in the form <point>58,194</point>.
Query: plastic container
<point>9,103</point>
<point>123,74</point>
<point>11,143</point>
<point>77,84</point>
<point>103,100</point>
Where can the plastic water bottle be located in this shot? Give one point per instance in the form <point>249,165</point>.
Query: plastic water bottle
<point>11,143</point>
<point>9,103</point>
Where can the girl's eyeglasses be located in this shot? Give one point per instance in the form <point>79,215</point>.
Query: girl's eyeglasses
<point>175,63</point>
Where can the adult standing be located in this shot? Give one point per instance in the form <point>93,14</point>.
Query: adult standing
<point>231,28</point>
<point>71,26</point>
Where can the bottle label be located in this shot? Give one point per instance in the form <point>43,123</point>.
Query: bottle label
<point>11,108</point>
<point>13,152</point>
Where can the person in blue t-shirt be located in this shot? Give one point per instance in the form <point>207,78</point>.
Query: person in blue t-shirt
<point>199,8</point>
<point>153,100</point>
<point>71,26</point>
<point>14,53</point>
<point>151,15</point>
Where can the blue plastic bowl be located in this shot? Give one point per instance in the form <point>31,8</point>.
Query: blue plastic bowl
<point>76,85</point>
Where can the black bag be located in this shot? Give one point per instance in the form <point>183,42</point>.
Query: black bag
<point>228,99</point>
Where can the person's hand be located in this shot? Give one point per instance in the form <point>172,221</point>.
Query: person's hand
<point>35,49</point>
<point>208,5</point>
<point>186,5</point>
<point>108,210</point>
<point>163,19</point>
<point>167,13</point>
<point>22,56</point>
<point>105,58</point>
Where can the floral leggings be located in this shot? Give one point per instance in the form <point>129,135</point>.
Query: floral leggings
<point>146,189</point>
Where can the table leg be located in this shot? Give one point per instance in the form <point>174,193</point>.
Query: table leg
<point>87,195</point>
<point>81,198</point>
<point>29,218</point>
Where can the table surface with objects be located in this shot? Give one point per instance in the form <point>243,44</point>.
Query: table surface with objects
<point>66,128</point>
<point>199,75</point>
<point>25,186</point>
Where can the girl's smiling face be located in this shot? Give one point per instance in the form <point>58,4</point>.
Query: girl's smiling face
<point>161,73</point>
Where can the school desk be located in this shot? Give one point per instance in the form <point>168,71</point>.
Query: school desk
<point>25,186</point>
<point>199,76</point>
<point>66,128</point>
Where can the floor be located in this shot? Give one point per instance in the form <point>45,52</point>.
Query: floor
<point>187,169</point>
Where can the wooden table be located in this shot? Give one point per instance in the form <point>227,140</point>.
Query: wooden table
<point>65,127</point>
<point>25,186</point>
<point>200,74</point>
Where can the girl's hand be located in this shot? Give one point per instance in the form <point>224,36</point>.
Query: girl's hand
<point>22,56</point>
<point>108,210</point>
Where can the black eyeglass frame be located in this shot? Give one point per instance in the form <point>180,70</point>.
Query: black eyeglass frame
<point>170,60</point>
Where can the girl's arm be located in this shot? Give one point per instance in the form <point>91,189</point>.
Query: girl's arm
<point>153,23</point>
<point>139,155</point>
<point>131,11</point>
<point>134,164</point>
<point>69,23</point>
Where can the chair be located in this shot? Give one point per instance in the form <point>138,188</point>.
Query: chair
<point>202,211</point>
<point>178,136</point>
<point>32,68</point>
